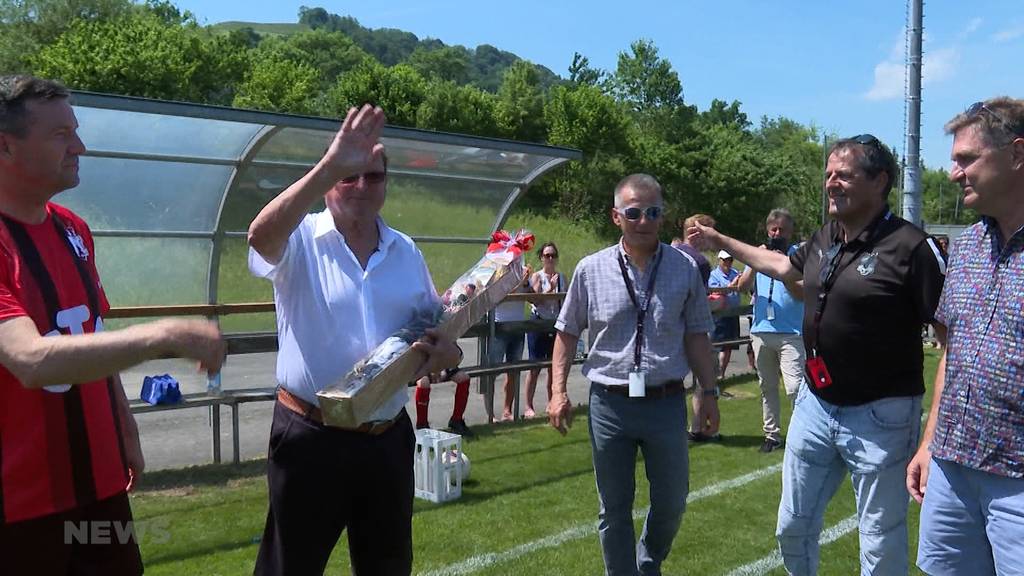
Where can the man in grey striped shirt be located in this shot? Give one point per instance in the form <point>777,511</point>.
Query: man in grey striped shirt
<point>646,310</point>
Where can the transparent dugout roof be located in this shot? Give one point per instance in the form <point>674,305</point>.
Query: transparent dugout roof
<point>169,189</point>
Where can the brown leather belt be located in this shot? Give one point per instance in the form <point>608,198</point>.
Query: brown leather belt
<point>311,412</point>
<point>658,391</point>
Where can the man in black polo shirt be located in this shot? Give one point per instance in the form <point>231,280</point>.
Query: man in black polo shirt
<point>871,280</point>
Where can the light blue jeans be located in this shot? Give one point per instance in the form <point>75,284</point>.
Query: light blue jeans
<point>972,523</point>
<point>618,426</point>
<point>873,442</point>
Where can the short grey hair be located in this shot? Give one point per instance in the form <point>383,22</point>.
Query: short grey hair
<point>638,181</point>
<point>778,215</point>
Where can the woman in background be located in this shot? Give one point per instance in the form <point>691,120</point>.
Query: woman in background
<point>545,281</point>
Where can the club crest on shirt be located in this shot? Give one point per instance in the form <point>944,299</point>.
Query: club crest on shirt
<point>78,244</point>
<point>867,263</point>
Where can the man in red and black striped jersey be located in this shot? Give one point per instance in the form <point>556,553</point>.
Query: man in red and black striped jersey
<point>69,446</point>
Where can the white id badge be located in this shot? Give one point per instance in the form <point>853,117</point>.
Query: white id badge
<point>771,311</point>
<point>637,384</point>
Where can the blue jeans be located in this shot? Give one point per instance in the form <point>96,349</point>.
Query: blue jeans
<point>618,426</point>
<point>972,523</point>
<point>874,442</point>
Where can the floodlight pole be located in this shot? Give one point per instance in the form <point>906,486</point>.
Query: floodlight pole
<point>912,159</point>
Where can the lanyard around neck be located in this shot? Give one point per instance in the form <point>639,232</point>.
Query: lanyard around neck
<point>832,266</point>
<point>641,307</point>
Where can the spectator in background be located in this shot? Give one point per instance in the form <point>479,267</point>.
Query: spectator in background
<point>776,331</point>
<point>942,241</point>
<point>457,422</point>
<point>724,297</point>
<point>692,249</point>
<point>547,280</point>
<point>701,429</point>
<point>508,345</point>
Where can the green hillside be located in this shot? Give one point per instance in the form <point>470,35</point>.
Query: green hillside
<point>261,28</point>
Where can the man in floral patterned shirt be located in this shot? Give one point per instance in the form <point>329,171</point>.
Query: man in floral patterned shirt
<point>972,454</point>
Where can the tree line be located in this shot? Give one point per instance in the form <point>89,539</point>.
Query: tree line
<point>633,118</point>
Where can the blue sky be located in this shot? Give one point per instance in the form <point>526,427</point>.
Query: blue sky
<point>836,64</point>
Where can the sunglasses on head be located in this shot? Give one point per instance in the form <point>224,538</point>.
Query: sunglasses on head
<point>368,177</point>
<point>867,140</point>
<point>979,107</point>
<point>633,213</point>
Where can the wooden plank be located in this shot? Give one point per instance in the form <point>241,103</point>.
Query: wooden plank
<point>189,310</point>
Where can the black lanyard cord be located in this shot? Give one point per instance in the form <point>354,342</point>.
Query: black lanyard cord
<point>832,266</point>
<point>641,307</point>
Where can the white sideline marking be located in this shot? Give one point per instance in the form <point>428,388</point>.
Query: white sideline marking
<point>774,560</point>
<point>830,535</point>
<point>479,562</point>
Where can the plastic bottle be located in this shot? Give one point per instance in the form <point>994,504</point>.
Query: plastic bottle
<point>213,385</point>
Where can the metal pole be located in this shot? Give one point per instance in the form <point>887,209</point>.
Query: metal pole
<point>824,168</point>
<point>940,202</point>
<point>912,169</point>
<point>215,419</point>
<point>234,433</point>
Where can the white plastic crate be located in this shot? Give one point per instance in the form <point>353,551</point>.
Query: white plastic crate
<point>438,479</point>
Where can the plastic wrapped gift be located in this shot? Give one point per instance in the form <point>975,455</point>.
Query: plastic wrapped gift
<point>393,364</point>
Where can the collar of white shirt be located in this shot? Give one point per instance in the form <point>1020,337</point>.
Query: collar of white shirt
<point>324,225</point>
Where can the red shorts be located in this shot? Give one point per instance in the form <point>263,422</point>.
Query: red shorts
<point>92,539</point>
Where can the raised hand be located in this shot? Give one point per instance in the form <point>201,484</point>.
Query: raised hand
<point>703,237</point>
<point>357,145</point>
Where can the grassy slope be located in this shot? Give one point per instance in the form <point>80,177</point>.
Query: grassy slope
<point>528,484</point>
<point>262,28</point>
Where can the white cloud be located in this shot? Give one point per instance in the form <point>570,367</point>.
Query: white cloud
<point>940,65</point>
<point>888,82</point>
<point>899,46</point>
<point>1008,34</point>
<point>972,27</point>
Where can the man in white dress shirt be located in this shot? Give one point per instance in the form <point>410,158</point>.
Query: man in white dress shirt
<point>343,282</point>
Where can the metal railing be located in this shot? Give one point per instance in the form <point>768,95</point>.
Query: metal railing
<point>261,342</point>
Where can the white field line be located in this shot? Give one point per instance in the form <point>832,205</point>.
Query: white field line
<point>774,560</point>
<point>479,562</point>
<point>830,535</point>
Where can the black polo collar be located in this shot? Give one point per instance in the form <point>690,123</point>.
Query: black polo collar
<point>864,236</point>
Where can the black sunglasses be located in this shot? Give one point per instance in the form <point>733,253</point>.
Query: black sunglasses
<point>633,213</point>
<point>368,177</point>
<point>979,107</point>
<point>549,255</point>
<point>867,140</point>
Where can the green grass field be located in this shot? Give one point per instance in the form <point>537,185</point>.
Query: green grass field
<point>530,508</point>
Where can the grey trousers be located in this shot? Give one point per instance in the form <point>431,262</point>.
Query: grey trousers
<point>619,425</point>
